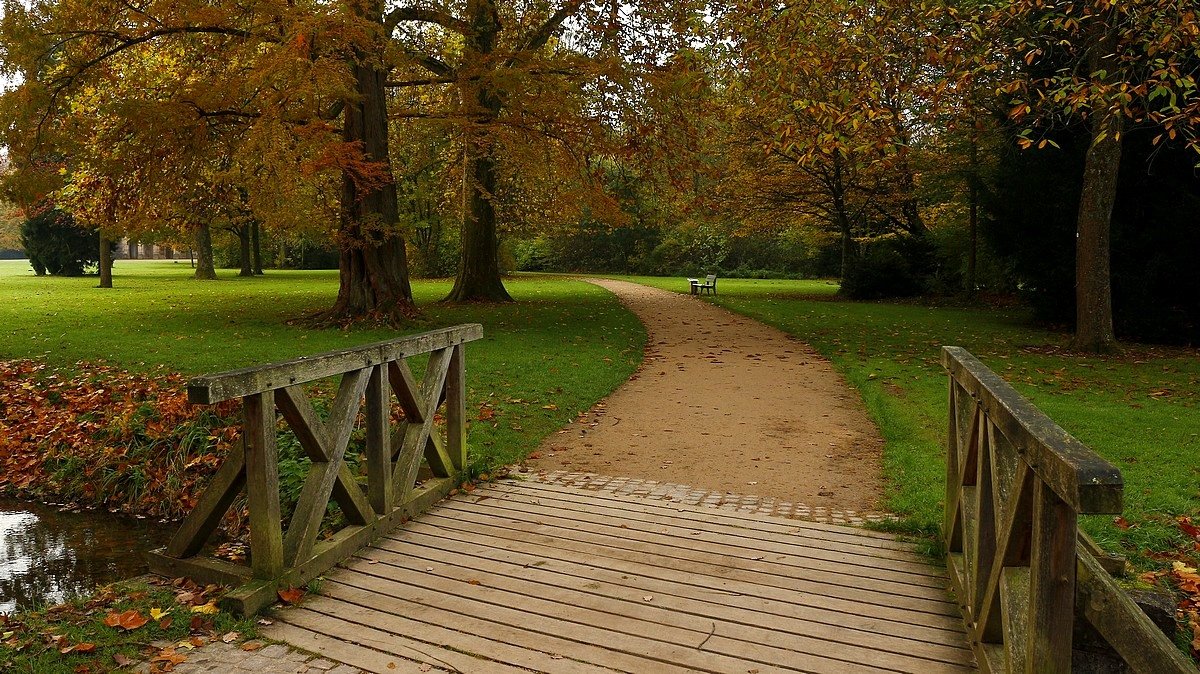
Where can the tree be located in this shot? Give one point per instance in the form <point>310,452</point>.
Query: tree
<point>841,90</point>
<point>527,83</point>
<point>1115,67</point>
<point>279,75</point>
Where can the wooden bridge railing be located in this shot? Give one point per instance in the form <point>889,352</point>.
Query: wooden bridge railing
<point>392,457</point>
<point>1016,484</point>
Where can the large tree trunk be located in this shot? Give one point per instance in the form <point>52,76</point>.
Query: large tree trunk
<point>1093,283</point>
<point>256,243</point>
<point>205,269</point>
<point>478,277</point>
<point>106,262</point>
<point>373,267</point>
<point>243,234</point>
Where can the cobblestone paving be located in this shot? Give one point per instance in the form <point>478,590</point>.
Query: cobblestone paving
<point>222,658</point>
<point>680,493</point>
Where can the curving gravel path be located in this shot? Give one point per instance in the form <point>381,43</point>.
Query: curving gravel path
<point>723,402</point>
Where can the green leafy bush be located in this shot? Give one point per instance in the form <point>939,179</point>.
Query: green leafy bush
<point>57,245</point>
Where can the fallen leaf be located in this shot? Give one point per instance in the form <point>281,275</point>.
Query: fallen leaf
<point>230,637</point>
<point>165,623</point>
<point>648,597</point>
<point>169,657</point>
<point>292,595</point>
<point>206,609</point>
<point>1121,522</point>
<point>129,620</point>
<point>122,660</point>
<point>156,613</point>
<point>425,667</point>
<point>252,645</point>
<point>474,581</point>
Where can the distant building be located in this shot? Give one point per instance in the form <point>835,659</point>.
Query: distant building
<point>134,250</point>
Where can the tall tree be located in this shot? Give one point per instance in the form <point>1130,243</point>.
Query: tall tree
<point>522,72</point>
<point>1113,66</point>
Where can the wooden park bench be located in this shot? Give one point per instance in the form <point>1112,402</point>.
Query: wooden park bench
<point>709,284</point>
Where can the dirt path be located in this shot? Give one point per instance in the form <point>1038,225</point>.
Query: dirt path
<point>724,402</point>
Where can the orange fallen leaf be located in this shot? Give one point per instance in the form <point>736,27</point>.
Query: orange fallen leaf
<point>291,595</point>
<point>252,645</point>
<point>129,620</point>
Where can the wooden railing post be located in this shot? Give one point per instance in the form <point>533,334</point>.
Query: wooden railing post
<point>379,441</point>
<point>456,408</point>
<point>1051,583</point>
<point>262,485</point>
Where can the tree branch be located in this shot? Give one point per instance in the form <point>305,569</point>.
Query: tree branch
<point>426,15</point>
<point>542,35</point>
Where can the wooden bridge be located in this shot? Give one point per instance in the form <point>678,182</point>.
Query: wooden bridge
<point>528,576</point>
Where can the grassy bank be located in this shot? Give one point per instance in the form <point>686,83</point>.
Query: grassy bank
<point>1138,410</point>
<point>562,346</point>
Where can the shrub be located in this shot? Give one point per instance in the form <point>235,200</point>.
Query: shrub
<point>891,267</point>
<point>56,245</point>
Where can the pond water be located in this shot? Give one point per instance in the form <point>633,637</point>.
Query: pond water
<point>48,556</point>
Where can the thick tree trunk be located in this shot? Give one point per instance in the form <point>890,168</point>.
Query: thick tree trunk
<point>373,267</point>
<point>205,269</point>
<point>256,243</point>
<point>478,277</point>
<point>1093,283</point>
<point>243,235</point>
<point>106,262</point>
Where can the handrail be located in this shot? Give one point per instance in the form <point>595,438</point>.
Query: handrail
<point>1016,484</point>
<point>393,458</point>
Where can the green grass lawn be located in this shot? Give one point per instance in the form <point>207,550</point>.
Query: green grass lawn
<point>1137,410</point>
<point>563,344</point>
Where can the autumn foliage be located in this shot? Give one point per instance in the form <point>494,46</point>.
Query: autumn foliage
<point>102,437</point>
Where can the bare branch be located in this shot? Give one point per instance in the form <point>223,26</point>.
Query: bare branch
<point>440,17</point>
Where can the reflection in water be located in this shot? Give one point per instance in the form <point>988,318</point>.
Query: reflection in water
<point>47,556</point>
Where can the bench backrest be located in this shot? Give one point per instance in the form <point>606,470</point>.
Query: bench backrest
<point>711,279</point>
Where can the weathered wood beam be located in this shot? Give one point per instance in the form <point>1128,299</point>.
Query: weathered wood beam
<point>1080,477</point>
<point>206,515</point>
<point>239,383</point>
<point>262,485</point>
<point>1123,624</point>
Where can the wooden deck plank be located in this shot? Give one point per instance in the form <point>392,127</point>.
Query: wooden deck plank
<point>545,578</point>
<point>623,652</point>
<point>781,529</point>
<point>653,618</point>
<point>802,554</point>
<point>734,594</point>
<point>760,572</point>
<point>447,556</point>
<point>364,646</point>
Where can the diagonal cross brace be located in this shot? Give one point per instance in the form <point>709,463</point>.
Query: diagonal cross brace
<point>416,435</point>
<point>326,445</point>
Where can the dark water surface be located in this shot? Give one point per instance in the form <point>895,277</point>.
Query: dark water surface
<point>48,556</point>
